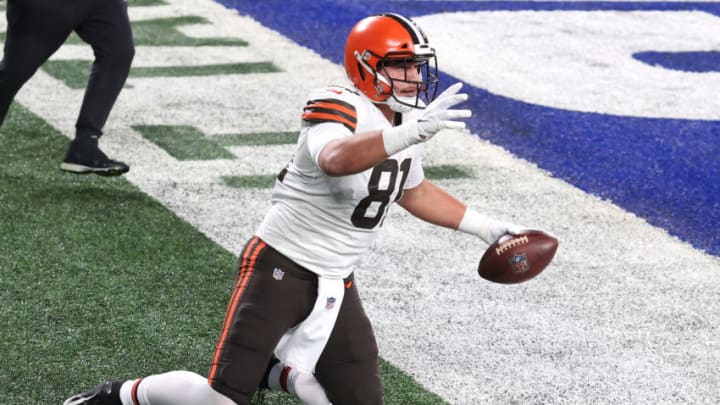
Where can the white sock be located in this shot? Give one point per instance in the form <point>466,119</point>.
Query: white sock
<point>126,392</point>
<point>275,376</point>
<point>302,385</point>
<point>172,388</point>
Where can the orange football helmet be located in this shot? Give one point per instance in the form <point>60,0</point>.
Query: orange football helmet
<point>379,40</point>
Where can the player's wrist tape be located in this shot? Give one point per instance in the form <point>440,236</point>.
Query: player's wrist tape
<point>479,225</point>
<point>398,138</point>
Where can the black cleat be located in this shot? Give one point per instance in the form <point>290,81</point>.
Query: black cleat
<point>84,157</point>
<point>107,393</point>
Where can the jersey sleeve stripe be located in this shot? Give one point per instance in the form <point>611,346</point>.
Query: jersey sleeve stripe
<point>329,110</point>
<point>333,110</point>
<point>318,117</point>
<point>134,390</point>
<point>333,104</point>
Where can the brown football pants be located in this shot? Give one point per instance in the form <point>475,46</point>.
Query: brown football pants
<point>271,295</point>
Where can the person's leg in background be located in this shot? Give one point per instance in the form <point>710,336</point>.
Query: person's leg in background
<point>106,27</point>
<point>35,30</point>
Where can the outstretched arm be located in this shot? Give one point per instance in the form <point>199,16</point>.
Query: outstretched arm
<point>434,205</point>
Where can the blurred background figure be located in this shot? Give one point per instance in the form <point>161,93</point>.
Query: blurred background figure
<point>36,29</point>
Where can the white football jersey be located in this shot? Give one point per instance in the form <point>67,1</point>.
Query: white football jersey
<point>325,223</point>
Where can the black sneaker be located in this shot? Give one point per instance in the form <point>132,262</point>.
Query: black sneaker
<point>107,393</point>
<point>84,156</point>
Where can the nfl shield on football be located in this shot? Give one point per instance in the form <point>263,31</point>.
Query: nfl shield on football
<point>517,258</point>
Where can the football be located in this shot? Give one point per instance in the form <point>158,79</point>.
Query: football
<point>516,258</point>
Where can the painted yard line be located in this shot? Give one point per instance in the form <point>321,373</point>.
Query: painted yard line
<point>168,31</point>
<point>145,32</point>
<point>624,315</point>
<point>146,3</point>
<point>74,73</point>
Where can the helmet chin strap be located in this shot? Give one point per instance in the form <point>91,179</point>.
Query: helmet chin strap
<point>400,104</point>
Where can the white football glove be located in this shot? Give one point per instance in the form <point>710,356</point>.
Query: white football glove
<point>486,228</point>
<point>437,116</point>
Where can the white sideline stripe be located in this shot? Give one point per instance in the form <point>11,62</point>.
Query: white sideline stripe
<point>626,314</point>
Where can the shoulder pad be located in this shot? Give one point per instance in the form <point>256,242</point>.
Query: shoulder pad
<point>332,104</point>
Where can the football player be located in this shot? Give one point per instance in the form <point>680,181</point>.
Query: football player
<point>295,321</point>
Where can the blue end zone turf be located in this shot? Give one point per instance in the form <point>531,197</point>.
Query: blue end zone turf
<point>701,62</point>
<point>664,170</point>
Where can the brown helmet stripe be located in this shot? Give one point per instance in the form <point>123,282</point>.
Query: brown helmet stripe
<point>418,36</point>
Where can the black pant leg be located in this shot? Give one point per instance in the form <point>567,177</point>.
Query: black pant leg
<point>35,30</point>
<point>107,29</point>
